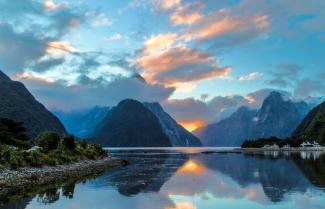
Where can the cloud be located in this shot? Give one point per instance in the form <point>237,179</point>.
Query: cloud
<point>59,47</point>
<point>307,87</point>
<point>47,64</point>
<point>114,37</point>
<point>159,43</point>
<point>17,49</point>
<point>167,4</point>
<point>182,205</point>
<point>256,98</point>
<point>101,20</point>
<point>50,5</point>
<point>186,14</point>
<point>285,75</point>
<point>158,64</point>
<point>89,92</point>
<point>303,85</point>
<point>192,110</point>
<point>224,28</point>
<point>250,76</point>
<point>29,30</point>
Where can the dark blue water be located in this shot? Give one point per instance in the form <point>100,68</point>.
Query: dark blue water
<point>188,179</point>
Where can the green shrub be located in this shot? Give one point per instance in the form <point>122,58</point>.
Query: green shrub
<point>54,152</point>
<point>48,140</point>
<point>69,142</point>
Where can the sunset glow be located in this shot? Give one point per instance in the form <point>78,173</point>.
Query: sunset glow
<point>191,125</point>
<point>192,167</point>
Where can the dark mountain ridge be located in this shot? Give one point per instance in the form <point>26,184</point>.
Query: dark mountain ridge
<point>312,128</point>
<point>18,104</point>
<point>130,124</point>
<point>135,124</point>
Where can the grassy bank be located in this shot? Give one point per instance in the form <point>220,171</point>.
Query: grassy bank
<point>47,149</point>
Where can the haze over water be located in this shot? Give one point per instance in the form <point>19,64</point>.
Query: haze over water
<point>188,179</point>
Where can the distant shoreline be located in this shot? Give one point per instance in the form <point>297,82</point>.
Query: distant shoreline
<point>292,149</point>
<point>13,180</point>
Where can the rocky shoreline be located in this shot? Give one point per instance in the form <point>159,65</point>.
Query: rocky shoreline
<point>13,180</point>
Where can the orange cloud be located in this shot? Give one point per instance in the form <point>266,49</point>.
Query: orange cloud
<point>59,47</point>
<point>178,65</point>
<point>192,125</point>
<point>183,15</point>
<point>158,43</point>
<point>172,59</point>
<point>168,4</point>
<point>182,205</point>
<point>250,99</point>
<point>33,76</point>
<point>50,5</point>
<point>221,23</point>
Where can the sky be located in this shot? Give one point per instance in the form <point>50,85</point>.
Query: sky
<point>201,59</point>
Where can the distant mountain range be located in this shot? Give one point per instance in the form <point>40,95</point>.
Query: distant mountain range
<point>82,123</point>
<point>277,117</point>
<point>18,104</point>
<point>312,128</point>
<point>134,124</point>
<point>228,132</point>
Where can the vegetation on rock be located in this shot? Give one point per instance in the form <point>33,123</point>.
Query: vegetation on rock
<point>17,150</point>
<point>261,142</point>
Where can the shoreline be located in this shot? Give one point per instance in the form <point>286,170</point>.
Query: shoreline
<point>15,180</point>
<point>292,149</point>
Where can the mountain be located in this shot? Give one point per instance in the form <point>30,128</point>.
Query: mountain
<point>16,103</point>
<point>228,132</point>
<point>277,117</point>
<point>313,126</point>
<point>178,135</point>
<point>130,124</point>
<point>135,124</point>
<point>82,123</point>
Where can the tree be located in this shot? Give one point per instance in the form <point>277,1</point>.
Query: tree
<point>48,140</point>
<point>13,133</point>
<point>69,142</point>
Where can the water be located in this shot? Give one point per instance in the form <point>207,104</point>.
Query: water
<point>185,178</point>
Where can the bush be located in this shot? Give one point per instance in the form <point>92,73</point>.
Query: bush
<point>48,140</point>
<point>69,142</point>
<point>13,133</point>
<point>54,152</point>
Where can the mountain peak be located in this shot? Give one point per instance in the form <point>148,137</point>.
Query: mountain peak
<point>130,124</point>
<point>127,102</point>
<point>274,96</point>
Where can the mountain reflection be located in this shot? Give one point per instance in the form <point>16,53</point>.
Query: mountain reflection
<point>277,176</point>
<point>145,173</point>
<point>172,180</point>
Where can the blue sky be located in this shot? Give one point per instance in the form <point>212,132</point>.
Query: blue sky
<point>199,56</point>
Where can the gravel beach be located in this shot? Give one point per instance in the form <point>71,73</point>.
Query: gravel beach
<point>13,180</point>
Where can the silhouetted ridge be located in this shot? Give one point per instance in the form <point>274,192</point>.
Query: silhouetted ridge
<point>16,103</point>
<point>130,124</point>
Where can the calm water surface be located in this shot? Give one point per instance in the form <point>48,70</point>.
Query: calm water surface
<point>189,179</point>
